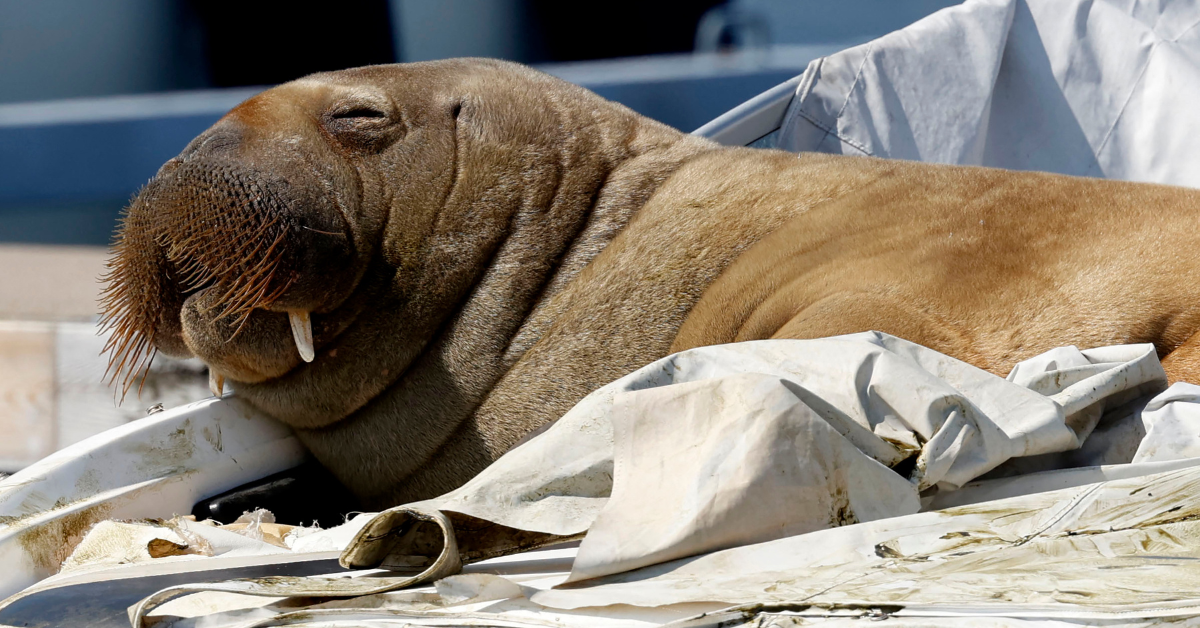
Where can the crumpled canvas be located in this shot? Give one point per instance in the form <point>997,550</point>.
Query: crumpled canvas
<point>1099,88</point>
<point>1118,548</point>
<point>1111,545</point>
<point>735,444</point>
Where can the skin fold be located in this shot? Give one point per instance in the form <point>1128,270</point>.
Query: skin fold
<point>479,245</point>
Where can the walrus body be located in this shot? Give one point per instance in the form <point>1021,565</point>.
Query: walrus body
<point>477,246</point>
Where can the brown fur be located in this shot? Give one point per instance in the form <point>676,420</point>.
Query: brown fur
<point>482,245</point>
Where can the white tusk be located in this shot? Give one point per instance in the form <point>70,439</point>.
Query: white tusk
<point>302,332</point>
<point>216,383</point>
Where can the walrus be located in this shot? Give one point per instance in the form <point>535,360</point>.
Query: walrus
<point>417,265</point>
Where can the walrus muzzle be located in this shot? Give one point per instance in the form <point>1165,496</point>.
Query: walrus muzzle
<point>213,259</point>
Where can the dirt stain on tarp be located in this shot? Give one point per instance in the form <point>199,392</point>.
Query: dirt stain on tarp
<point>841,513</point>
<point>87,484</point>
<point>212,434</point>
<point>169,455</point>
<point>50,543</point>
<point>48,538</point>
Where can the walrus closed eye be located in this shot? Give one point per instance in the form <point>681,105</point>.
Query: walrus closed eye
<point>417,265</point>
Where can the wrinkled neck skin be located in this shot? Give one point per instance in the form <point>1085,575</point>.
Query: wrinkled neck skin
<point>408,371</point>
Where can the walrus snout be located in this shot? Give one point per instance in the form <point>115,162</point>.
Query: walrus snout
<point>214,246</point>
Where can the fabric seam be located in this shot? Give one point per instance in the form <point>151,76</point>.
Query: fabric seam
<point>1128,97</point>
<point>857,79</point>
<point>803,90</point>
<point>1185,31</point>
<point>846,103</point>
<point>829,131</point>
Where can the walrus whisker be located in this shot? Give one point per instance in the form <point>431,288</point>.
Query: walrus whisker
<point>145,357</point>
<point>126,316</point>
<point>330,233</point>
<point>226,301</point>
<point>145,371</point>
<point>246,293</point>
<point>243,254</point>
<point>242,310</point>
<point>257,243</point>
<point>251,281</point>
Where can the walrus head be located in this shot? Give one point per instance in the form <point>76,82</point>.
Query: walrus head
<point>273,213</point>
<point>387,228</point>
<point>262,229</point>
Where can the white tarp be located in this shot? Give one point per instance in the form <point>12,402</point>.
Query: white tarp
<point>158,466</point>
<point>733,469</point>
<point>717,446</point>
<point>1099,88</point>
